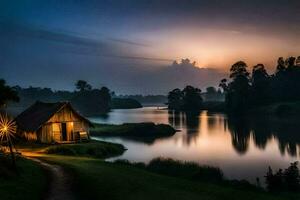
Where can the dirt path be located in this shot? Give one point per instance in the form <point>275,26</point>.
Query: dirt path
<point>60,182</point>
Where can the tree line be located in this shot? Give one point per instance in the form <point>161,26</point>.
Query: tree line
<point>249,90</point>
<point>85,98</point>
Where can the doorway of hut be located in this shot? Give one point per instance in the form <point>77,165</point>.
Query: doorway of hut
<point>64,131</point>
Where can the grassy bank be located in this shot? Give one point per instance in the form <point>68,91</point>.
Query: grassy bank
<point>28,184</point>
<point>133,130</point>
<point>180,169</point>
<point>96,179</point>
<point>93,148</point>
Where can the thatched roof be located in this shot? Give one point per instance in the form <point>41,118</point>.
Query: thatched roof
<point>39,113</point>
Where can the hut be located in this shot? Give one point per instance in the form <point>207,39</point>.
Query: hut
<point>52,123</point>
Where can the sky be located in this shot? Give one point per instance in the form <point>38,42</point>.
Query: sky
<point>129,46</point>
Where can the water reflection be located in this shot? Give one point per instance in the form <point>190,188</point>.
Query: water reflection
<point>261,129</point>
<point>249,145</point>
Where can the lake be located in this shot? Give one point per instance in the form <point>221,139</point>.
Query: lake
<point>242,148</point>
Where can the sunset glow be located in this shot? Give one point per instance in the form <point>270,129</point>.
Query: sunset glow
<point>122,44</point>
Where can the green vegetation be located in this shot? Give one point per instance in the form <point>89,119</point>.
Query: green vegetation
<point>7,93</point>
<point>181,169</point>
<point>90,149</point>
<point>287,180</point>
<point>133,129</point>
<point>96,179</point>
<point>190,171</point>
<point>91,101</point>
<point>125,103</point>
<point>28,184</point>
<point>248,91</point>
<point>189,99</point>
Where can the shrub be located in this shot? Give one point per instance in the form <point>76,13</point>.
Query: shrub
<point>188,170</point>
<point>93,149</point>
<point>175,168</point>
<point>282,181</point>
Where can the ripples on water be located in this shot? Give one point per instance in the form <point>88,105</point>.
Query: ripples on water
<point>242,147</point>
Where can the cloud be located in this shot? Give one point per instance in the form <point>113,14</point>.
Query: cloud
<point>128,42</point>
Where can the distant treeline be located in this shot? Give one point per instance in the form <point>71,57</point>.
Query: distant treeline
<point>248,91</point>
<point>85,98</point>
<point>191,99</point>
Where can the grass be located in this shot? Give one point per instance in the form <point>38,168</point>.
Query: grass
<point>181,169</point>
<point>91,149</point>
<point>133,129</point>
<point>28,184</point>
<point>96,179</point>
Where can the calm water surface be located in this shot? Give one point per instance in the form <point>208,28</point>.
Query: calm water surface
<point>242,148</point>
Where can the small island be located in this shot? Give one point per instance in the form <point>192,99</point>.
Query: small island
<point>147,129</point>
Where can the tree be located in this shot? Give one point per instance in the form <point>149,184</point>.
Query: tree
<point>192,100</point>
<point>298,61</point>
<point>211,90</point>
<point>175,98</point>
<point>7,94</point>
<point>280,65</point>
<point>82,85</point>
<point>281,181</point>
<point>223,84</point>
<point>275,181</point>
<point>239,69</point>
<point>238,89</point>
<point>260,80</point>
<point>292,177</point>
<point>105,98</point>
<point>290,63</point>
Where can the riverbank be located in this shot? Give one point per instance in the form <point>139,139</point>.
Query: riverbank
<point>133,130</point>
<point>96,179</point>
<point>93,178</point>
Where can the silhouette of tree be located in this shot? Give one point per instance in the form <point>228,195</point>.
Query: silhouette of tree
<point>192,100</point>
<point>7,93</point>
<point>223,84</point>
<point>298,61</point>
<point>260,81</point>
<point>290,63</point>
<point>175,98</point>
<point>189,99</point>
<point>274,182</point>
<point>82,85</point>
<point>211,90</point>
<point>280,65</point>
<point>281,181</point>
<point>238,90</point>
<point>105,98</point>
<point>292,177</point>
<point>245,92</point>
